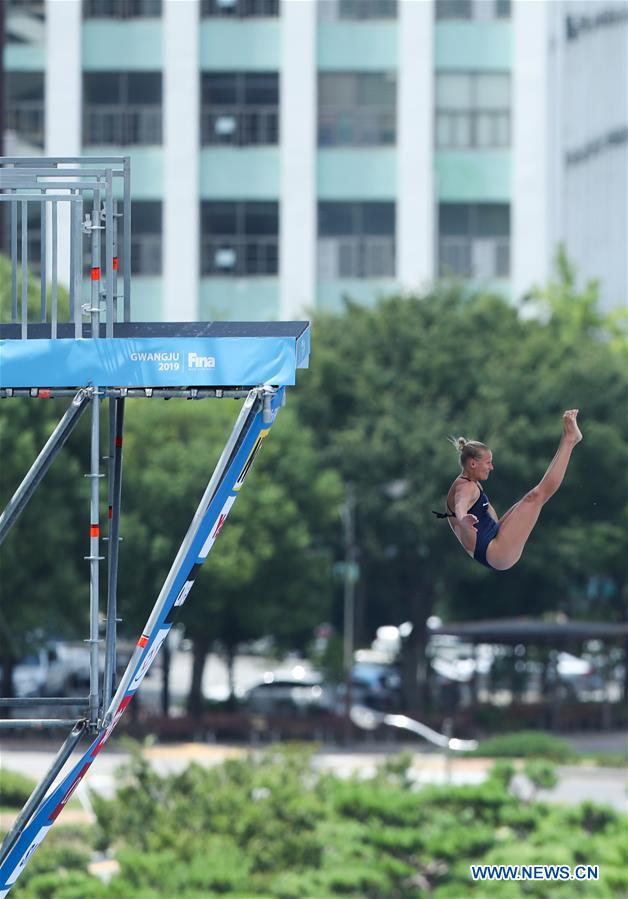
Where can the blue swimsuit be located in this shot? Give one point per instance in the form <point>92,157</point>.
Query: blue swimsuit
<point>486,526</point>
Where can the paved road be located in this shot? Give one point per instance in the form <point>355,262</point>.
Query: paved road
<point>576,783</point>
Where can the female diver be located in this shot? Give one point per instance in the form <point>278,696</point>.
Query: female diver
<point>492,541</point>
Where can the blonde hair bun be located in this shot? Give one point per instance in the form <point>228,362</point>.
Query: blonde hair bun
<point>458,442</point>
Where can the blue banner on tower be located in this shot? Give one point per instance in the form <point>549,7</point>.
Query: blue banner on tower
<point>152,361</point>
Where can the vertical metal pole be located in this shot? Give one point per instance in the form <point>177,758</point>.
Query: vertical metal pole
<point>94,530</point>
<point>95,268</point>
<point>42,253</point>
<point>24,205</point>
<point>53,299</point>
<point>127,239</point>
<point>94,559</point>
<point>76,261</point>
<point>73,253</point>
<point>14,261</point>
<point>116,429</point>
<point>77,268</point>
<point>116,316</point>
<point>109,252</point>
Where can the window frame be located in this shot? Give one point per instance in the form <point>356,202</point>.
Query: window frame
<point>473,114</point>
<point>126,119</point>
<point>473,238</point>
<point>255,254</point>
<point>253,124</point>
<point>358,252</point>
<point>364,124</point>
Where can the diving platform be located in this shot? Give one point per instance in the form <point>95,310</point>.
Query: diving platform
<point>153,355</point>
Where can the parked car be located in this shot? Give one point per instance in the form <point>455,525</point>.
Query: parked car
<point>287,697</point>
<point>53,669</point>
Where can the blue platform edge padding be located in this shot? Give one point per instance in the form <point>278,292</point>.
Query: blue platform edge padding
<point>153,361</point>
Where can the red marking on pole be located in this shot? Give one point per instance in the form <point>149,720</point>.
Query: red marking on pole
<point>142,641</point>
<point>94,530</point>
<point>115,263</point>
<point>45,393</point>
<point>118,442</point>
<point>221,520</point>
<point>110,512</point>
<point>96,273</point>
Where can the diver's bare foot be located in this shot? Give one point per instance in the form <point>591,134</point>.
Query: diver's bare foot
<point>570,426</point>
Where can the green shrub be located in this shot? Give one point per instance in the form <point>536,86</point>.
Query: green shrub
<point>271,825</point>
<point>526,744</point>
<point>541,773</point>
<point>14,788</point>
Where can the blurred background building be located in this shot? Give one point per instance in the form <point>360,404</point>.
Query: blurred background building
<point>288,152</point>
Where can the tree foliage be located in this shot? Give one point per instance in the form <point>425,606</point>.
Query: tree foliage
<point>44,582</point>
<point>269,572</point>
<point>271,825</point>
<point>387,386</point>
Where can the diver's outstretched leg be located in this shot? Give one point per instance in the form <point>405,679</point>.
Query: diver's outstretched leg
<point>517,524</point>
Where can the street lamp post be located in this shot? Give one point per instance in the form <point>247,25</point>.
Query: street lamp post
<point>351,574</point>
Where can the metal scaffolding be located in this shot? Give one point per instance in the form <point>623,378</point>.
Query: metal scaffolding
<point>81,202</point>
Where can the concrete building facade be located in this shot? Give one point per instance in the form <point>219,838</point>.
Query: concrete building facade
<point>286,153</point>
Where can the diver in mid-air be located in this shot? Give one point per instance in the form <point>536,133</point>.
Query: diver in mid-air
<point>496,542</point>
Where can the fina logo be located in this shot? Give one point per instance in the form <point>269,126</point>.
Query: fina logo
<point>196,361</point>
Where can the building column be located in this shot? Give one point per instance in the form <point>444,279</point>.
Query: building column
<point>531,234</point>
<point>298,119</point>
<point>181,215</point>
<point>416,200</point>
<point>63,106</point>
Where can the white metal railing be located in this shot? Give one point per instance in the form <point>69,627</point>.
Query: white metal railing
<point>239,255</point>
<point>352,126</point>
<point>115,125</point>
<point>240,8</point>
<point>334,10</point>
<point>122,9</point>
<point>356,256</point>
<point>459,129</point>
<point>240,125</point>
<point>26,119</point>
<point>474,257</point>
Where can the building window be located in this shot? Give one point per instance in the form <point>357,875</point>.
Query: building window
<point>122,108</point>
<point>356,240</point>
<point>474,240</point>
<point>472,110</point>
<point>240,108</point>
<point>240,9</point>
<point>25,22</point>
<point>239,239</point>
<point>122,9</point>
<point>357,109</point>
<point>146,237</point>
<point>473,9</point>
<point>24,100</point>
<point>334,10</point>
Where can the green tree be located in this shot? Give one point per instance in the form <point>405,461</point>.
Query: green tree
<point>43,579</point>
<point>388,385</point>
<point>269,573</point>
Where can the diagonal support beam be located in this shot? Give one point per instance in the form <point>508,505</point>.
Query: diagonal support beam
<point>40,790</point>
<point>42,463</point>
<point>253,424</point>
<point>116,429</point>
